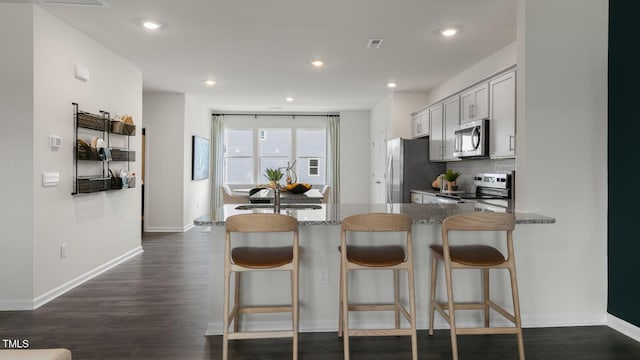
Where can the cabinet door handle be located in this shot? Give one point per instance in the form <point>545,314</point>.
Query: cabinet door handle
<point>512,147</point>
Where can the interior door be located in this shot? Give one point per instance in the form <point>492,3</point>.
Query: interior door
<point>378,162</point>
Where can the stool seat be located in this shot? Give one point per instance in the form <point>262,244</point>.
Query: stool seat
<point>375,256</point>
<point>472,255</point>
<point>262,257</point>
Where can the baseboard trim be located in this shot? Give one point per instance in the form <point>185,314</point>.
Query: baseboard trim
<point>215,328</point>
<point>623,327</point>
<point>188,227</point>
<point>50,295</point>
<point>158,229</point>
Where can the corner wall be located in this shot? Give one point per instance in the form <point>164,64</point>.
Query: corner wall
<point>561,160</point>
<point>354,157</point>
<point>98,228</point>
<point>16,138</point>
<point>197,194</point>
<point>164,122</point>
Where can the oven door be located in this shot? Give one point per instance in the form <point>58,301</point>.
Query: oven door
<point>471,139</point>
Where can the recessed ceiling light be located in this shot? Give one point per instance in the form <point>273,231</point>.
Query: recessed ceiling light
<point>151,25</point>
<point>289,99</point>
<point>448,32</point>
<point>210,82</point>
<point>317,63</point>
<point>391,85</point>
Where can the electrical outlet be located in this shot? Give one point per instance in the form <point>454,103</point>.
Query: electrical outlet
<point>323,277</point>
<point>63,251</point>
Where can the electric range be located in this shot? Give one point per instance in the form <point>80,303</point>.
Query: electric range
<point>493,189</point>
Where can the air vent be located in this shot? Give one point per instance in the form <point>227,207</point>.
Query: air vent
<point>97,3</point>
<point>374,43</point>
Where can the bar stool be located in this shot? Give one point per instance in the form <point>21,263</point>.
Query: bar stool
<point>240,259</point>
<point>475,257</point>
<point>387,257</point>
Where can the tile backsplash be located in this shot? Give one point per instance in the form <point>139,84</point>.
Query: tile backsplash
<point>468,168</point>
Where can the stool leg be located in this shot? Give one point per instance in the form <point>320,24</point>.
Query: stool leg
<point>225,314</point>
<point>345,312</point>
<point>485,282</point>
<point>412,305</point>
<point>340,305</point>
<point>396,295</point>
<point>452,316</point>
<point>516,310</point>
<point>294,303</point>
<point>432,297</point>
<point>236,299</point>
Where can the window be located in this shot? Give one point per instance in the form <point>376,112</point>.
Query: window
<point>311,153</point>
<point>238,156</point>
<point>275,149</point>
<point>249,151</point>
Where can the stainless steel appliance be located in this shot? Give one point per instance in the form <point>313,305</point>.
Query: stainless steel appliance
<point>408,167</point>
<point>472,139</point>
<point>495,189</point>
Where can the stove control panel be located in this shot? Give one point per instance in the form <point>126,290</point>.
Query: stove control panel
<point>499,181</point>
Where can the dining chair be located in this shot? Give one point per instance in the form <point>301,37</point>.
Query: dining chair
<point>475,256</point>
<point>377,257</point>
<point>228,197</point>
<point>240,259</point>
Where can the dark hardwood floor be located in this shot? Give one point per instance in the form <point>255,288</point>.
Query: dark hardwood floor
<point>154,306</point>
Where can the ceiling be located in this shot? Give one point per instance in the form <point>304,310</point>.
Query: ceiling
<point>259,51</point>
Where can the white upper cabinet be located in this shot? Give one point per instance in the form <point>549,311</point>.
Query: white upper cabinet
<point>475,103</point>
<point>436,133</point>
<point>503,116</point>
<point>420,124</point>
<point>451,119</point>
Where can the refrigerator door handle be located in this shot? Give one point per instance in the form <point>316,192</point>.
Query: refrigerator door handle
<point>389,178</point>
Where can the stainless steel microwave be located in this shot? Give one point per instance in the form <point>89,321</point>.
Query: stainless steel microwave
<point>472,139</point>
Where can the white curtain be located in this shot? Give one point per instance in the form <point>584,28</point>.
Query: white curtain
<point>333,139</point>
<point>218,156</point>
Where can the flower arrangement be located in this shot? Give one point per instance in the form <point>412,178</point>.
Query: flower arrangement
<point>273,175</point>
<point>450,177</point>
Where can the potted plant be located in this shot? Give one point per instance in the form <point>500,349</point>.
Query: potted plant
<point>274,176</point>
<point>450,177</point>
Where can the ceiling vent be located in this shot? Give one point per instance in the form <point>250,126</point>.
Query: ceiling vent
<point>374,43</point>
<point>97,3</point>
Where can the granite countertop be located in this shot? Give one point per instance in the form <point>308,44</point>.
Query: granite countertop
<point>329,214</point>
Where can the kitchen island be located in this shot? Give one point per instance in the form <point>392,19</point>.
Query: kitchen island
<point>319,263</point>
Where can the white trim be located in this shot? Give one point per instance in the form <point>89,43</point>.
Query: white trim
<point>160,229</point>
<point>187,227</point>
<point>215,328</point>
<point>623,327</point>
<point>50,295</point>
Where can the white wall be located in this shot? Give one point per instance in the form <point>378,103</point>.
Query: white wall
<point>404,104</point>
<point>197,194</point>
<point>16,139</point>
<point>164,122</point>
<point>97,227</point>
<point>489,66</point>
<point>562,106</point>
<point>38,57</point>
<point>354,157</point>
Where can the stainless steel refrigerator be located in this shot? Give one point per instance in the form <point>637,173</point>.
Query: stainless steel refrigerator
<point>409,168</point>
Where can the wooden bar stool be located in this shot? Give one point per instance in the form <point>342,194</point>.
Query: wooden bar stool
<point>475,257</point>
<point>387,257</point>
<point>240,259</point>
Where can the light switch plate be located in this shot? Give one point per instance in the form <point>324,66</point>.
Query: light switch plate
<point>55,142</point>
<point>82,73</point>
<point>50,179</point>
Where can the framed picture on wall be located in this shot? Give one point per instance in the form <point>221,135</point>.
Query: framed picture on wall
<point>200,158</point>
